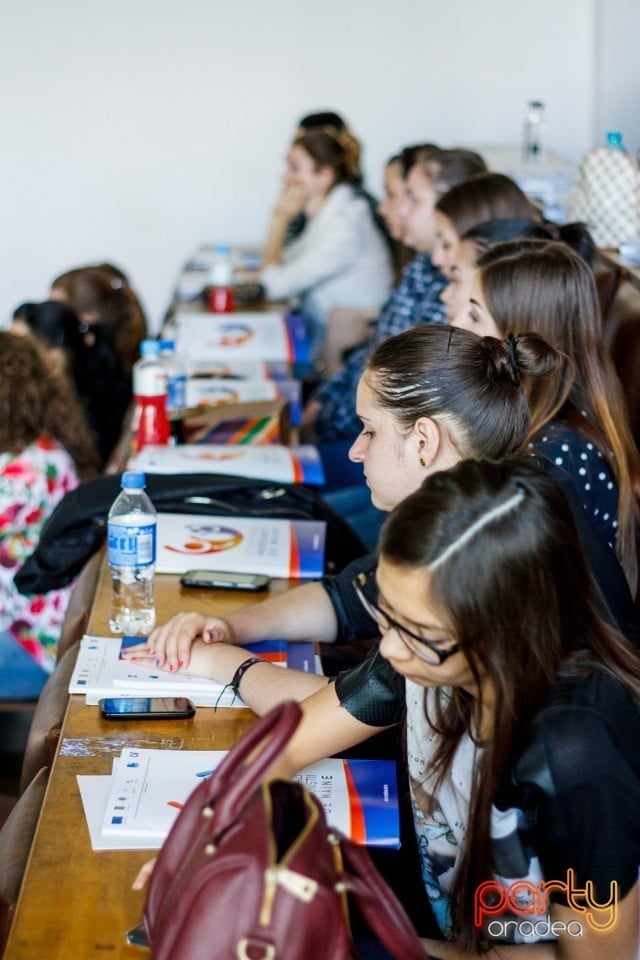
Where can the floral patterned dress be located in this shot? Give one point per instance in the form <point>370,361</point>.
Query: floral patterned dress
<point>31,484</point>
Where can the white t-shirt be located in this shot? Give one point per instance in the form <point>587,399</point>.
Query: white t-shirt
<point>340,260</point>
<point>440,827</point>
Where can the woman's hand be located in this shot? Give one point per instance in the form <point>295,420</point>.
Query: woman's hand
<point>169,646</point>
<point>145,872</point>
<point>290,202</point>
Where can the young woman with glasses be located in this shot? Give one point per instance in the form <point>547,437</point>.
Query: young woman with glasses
<point>521,709</point>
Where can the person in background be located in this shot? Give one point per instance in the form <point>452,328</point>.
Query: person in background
<point>45,450</point>
<point>545,287</point>
<point>483,237</point>
<point>330,413</point>
<point>489,196</point>
<point>347,327</point>
<point>341,258</point>
<point>113,326</point>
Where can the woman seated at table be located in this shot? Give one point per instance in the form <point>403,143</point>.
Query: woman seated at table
<point>428,398</point>
<point>330,413</point>
<point>465,252</point>
<point>113,326</point>
<point>341,257</point>
<point>522,715</point>
<point>348,326</point>
<point>495,202</point>
<point>547,288</point>
<point>45,449</point>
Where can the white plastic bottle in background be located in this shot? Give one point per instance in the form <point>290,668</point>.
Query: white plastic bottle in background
<point>176,376</point>
<point>221,298</point>
<point>131,544</point>
<point>533,132</point>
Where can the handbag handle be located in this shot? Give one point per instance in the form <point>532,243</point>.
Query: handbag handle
<point>234,780</point>
<point>378,904</point>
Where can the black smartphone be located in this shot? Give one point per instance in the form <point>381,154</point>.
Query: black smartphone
<point>218,580</point>
<point>146,708</point>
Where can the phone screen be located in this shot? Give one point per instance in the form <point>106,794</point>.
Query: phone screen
<point>146,708</point>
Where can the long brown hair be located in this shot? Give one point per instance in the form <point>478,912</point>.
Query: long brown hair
<point>104,292</point>
<point>35,401</point>
<point>470,385</point>
<point>509,578</point>
<point>488,196</point>
<point>546,287</point>
<point>338,150</point>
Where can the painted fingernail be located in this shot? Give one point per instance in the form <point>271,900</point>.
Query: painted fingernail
<point>181,664</point>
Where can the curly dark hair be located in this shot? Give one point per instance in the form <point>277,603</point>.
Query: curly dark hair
<point>35,401</point>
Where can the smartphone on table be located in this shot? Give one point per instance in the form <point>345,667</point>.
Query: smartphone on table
<point>221,580</point>
<point>146,708</point>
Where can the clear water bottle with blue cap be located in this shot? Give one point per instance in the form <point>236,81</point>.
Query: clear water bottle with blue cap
<point>176,376</point>
<point>131,544</point>
<point>615,141</point>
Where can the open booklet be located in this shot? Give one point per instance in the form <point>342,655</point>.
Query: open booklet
<point>297,464</point>
<point>139,803</point>
<point>100,672</point>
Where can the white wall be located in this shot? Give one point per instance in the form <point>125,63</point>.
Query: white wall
<point>132,130</point>
<point>617,101</point>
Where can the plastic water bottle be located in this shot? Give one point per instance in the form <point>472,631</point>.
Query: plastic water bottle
<point>533,133</point>
<point>131,540</point>
<point>150,391</point>
<point>176,376</point>
<point>221,299</point>
<point>615,141</point>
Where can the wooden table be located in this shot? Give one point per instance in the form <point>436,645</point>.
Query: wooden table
<point>76,903</point>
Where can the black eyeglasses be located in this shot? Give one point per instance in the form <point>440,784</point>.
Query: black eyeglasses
<point>427,650</point>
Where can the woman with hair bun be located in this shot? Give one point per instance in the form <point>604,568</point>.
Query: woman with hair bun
<point>545,287</point>
<point>341,258</point>
<point>428,398</point>
<point>112,326</point>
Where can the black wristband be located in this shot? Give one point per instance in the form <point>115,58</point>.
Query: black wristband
<point>240,672</point>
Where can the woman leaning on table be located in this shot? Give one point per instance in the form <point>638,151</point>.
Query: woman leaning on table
<point>429,397</point>
<point>341,258</point>
<point>521,709</point>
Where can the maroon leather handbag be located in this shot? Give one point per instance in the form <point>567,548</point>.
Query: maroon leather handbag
<point>251,871</point>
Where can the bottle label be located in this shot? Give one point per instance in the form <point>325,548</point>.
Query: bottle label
<point>177,392</point>
<point>131,545</point>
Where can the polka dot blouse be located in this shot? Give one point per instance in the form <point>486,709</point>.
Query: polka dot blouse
<point>581,460</point>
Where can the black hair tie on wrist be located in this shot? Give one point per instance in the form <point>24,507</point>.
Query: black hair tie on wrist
<point>511,350</point>
<point>234,683</point>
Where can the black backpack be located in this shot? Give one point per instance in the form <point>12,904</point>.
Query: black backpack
<point>77,526</point>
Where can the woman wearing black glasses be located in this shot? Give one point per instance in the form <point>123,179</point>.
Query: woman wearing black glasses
<point>521,708</point>
<point>522,716</point>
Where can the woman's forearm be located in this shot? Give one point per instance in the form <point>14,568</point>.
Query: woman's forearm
<point>272,252</point>
<point>305,613</point>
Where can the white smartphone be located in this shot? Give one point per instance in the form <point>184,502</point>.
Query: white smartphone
<point>220,580</point>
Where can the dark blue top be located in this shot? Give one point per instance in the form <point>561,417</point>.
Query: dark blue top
<point>577,456</point>
<point>414,302</point>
